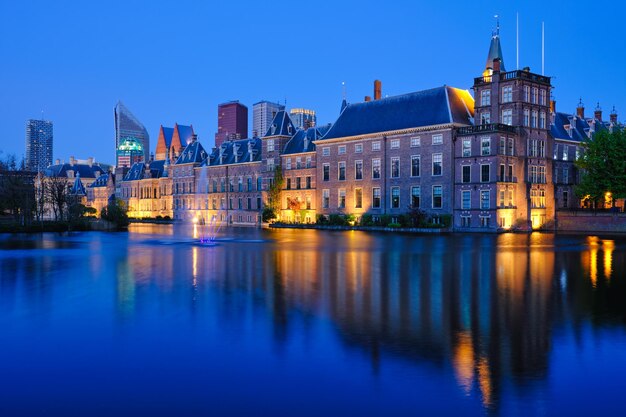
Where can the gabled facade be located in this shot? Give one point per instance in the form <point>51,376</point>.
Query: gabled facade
<point>100,192</point>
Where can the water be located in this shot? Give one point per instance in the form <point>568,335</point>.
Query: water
<point>310,323</point>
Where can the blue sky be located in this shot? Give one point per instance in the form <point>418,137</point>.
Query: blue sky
<point>175,61</point>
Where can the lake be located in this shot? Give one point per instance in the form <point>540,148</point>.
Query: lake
<point>308,323</point>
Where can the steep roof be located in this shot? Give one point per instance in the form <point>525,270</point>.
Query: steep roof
<point>78,188</point>
<point>237,151</point>
<point>185,133</point>
<point>193,153</point>
<point>495,51</point>
<point>138,170</point>
<point>281,125</point>
<point>101,181</point>
<point>168,132</point>
<point>84,170</point>
<point>578,127</point>
<point>302,141</point>
<point>441,105</point>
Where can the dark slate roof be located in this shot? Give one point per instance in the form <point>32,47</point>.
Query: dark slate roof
<point>281,125</point>
<point>84,170</point>
<point>78,188</point>
<point>101,181</point>
<point>138,170</point>
<point>495,51</point>
<point>168,132</point>
<point>185,133</point>
<point>441,105</point>
<point>579,127</point>
<point>193,153</point>
<point>236,151</point>
<point>298,144</point>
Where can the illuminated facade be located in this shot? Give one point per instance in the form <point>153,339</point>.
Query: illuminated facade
<point>129,152</point>
<point>303,118</point>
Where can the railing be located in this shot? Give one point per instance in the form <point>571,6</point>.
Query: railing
<point>511,75</point>
<point>507,179</point>
<point>484,128</point>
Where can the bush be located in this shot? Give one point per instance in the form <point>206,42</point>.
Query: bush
<point>366,220</point>
<point>268,214</point>
<point>115,212</point>
<point>321,219</point>
<point>167,218</point>
<point>394,225</point>
<point>337,220</point>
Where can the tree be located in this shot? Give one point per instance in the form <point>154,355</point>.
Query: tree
<point>115,212</point>
<point>17,192</point>
<point>603,165</point>
<point>273,195</point>
<point>57,195</point>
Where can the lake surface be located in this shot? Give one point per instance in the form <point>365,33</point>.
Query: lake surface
<point>309,323</point>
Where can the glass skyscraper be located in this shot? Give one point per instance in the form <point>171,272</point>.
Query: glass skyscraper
<point>127,125</point>
<point>263,113</point>
<point>38,144</point>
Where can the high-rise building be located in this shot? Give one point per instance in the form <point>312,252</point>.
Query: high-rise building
<point>129,152</point>
<point>38,144</point>
<point>303,118</point>
<point>232,122</point>
<point>128,126</point>
<point>263,113</point>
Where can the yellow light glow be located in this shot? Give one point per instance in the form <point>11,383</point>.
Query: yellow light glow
<point>608,246</point>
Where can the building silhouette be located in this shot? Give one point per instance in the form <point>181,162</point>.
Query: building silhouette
<point>303,118</point>
<point>263,113</point>
<point>127,125</point>
<point>232,122</point>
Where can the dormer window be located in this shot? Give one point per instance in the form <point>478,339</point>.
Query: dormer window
<point>273,129</point>
<point>289,129</point>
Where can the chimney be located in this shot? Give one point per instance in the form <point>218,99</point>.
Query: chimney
<point>496,65</point>
<point>552,106</point>
<point>613,116</point>
<point>580,110</point>
<point>597,114</point>
<point>72,160</point>
<point>90,161</point>
<point>57,162</point>
<point>378,89</point>
<point>368,98</point>
<point>250,148</point>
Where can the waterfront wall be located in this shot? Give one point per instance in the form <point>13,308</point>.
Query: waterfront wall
<point>592,222</point>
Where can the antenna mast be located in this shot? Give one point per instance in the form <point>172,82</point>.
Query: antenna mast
<point>517,39</point>
<point>543,49</point>
<point>343,89</point>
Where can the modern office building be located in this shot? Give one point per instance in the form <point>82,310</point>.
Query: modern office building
<point>303,118</point>
<point>129,152</point>
<point>232,122</point>
<point>263,113</point>
<point>127,125</point>
<point>39,140</point>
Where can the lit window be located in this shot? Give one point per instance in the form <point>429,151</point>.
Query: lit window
<point>507,94</point>
<point>485,97</point>
<point>376,197</point>
<point>485,146</point>
<point>395,197</point>
<point>375,168</point>
<point>358,170</point>
<point>358,198</point>
<point>484,199</point>
<point>466,200</point>
<point>325,198</point>
<point>467,147</point>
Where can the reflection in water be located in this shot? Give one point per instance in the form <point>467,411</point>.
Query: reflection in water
<point>481,310</point>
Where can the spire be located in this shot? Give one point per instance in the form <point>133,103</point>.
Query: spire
<point>495,49</point>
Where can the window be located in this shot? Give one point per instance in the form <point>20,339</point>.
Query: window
<point>526,117</point>
<point>485,98</point>
<point>466,200</point>
<point>511,146</point>
<point>542,149</point>
<point>325,198</point>
<point>325,151</point>
<point>484,173</point>
<point>501,198</point>
<point>240,185</point>
<point>259,184</point>
<point>507,94</point>
<point>565,152</point>
<point>466,221</point>
<point>542,120</point>
<point>270,164</point>
<point>437,196</point>
<point>467,147</point>
<point>437,163</point>
<point>565,198</point>
<point>510,198</point>
<point>342,171</point>
<point>537,198</point>
<point>502,146</point>
<point>395,143</point>
<point>308,183</point>
<point>326,172</point>
<point>358,170</point>
<point>358,148</point>
<point>395,167</point>
<point>289,183</point>
<point>288,163</point>
<point>342,150</point>
<point>542,97</point>
<point>299,162</point>
<point>376,146</point>
<point>502,172</point>
<point>223,185</point>
<point>270,145</point>
<point>249,184</point>
<point>484,221</point>
<point>510,172</point>
<point>437,139</point>
<point>341,203</point>
<point>415,166</point>
<point>533,119</point>
<point>298,183</point>
<point>376,168</point>
<point>533,97</point>
<point>240,203</point>
<point>375,197</point>
<point>415,141</point>
<point>358,198</point>
<point>308,202</point>
<point>485,119</point>
<point>507,117</point>
<point>527,93</point>
<point>416,193</point>
<point>566,175</point>
<point>484,199</point>
<point>467,173</point>
<point>258,203</point>
<point>395,197</point>
<point>308,162</point>
<point>485,146</point>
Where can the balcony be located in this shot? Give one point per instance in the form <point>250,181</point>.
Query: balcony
<point>508,179</point>
<point>486,128</point>
<point>511,75</point>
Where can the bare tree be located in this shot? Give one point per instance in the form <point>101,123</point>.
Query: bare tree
<point>57,195</point>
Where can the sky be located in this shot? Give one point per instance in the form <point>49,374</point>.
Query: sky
<point>174,62</point>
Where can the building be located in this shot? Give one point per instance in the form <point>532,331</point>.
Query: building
<point>263,113</point>
<point>303,118</point>
<point>39,142</point>
<point>232,122</point>
<point>100,192</point>
<point>127,125</point>
<point>147,190</point>
<point>173,140</point>
<point>129,152</point>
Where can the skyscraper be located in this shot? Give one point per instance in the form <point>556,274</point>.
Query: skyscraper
<point>38,144</point>
<point>303,118</point>
<point>232,122</point>
<point>263,113</point>
<point>128,126</point>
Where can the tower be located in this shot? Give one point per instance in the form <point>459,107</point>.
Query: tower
<point>127,125</point>
<point>263,113</point>
<point>39,141</point>
<point>232,122</point>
